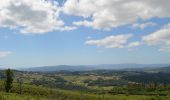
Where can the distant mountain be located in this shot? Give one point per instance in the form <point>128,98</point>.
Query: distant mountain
<point>127,67</point>
<point>130,66</point>
<point>58,68</point>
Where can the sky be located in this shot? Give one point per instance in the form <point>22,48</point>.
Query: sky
<point>84,32</point>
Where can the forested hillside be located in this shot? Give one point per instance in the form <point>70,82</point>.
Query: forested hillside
<point>87,85</point>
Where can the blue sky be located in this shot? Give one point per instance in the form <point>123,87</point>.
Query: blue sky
<point>72,34</point>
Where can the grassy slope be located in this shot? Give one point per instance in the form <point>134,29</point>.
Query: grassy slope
<point>14,96</point>
<point>65,96</point>
<point>31,92</point>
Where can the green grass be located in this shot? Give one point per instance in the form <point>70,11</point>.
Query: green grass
<point>35,92</point>
<point>14,96</point>
<point>68,95</point>
<point>32,92</point>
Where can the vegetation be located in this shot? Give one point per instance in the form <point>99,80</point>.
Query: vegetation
<point>9,80</point>
<point>86,85</point>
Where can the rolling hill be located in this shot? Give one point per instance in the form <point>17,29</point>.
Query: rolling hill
<point>127,67</point>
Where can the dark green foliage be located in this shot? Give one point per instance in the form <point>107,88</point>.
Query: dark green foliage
<point>9,80</point>
<point>108,82</point>
<point>142,77</point>
<point>58,82</point>
<point>86,85</point>
<point>20,83</point>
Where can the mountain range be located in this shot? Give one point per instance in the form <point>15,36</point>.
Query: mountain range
<point>130,67</point>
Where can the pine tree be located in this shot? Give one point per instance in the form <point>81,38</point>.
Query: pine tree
<point>9,80</point>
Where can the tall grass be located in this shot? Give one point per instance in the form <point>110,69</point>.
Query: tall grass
<point>32,92</point>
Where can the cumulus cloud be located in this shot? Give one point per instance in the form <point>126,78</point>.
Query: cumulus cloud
<point>160,37</point>
<point>42,16</point>
<point>143,25</point>
<point>108,14</point>
<point>4,53</point>
<point>31,16</point>
<point>114,41</point>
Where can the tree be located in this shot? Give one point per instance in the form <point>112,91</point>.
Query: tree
<point>9,80</point>
<point>20,83</point>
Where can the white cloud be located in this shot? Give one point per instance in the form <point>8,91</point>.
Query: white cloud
<point>80,8</point>
<point>160,37</point>
<point>4,53</point>
<point>131,46</point>
<point>31,16</point>
<point>108,14</point>
<point>143,25</point>
<point>134,44</point>
<point>42,16</point>
<point>67,28</point>
<point>83,23</point>
<point>114,41</point>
